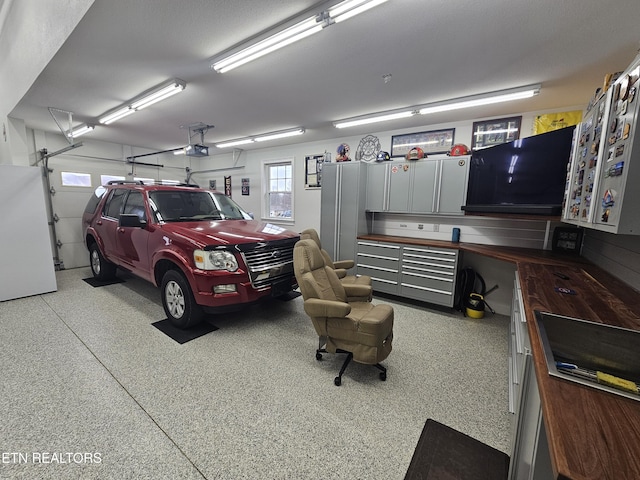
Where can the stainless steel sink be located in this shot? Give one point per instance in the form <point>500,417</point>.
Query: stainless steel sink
<point>591,347</point>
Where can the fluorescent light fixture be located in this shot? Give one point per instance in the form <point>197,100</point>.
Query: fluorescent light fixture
<point>234,143</point>
<point>81,130</point>
<point>351,8</point>
<point>444,106</point>
<point>379,117</point>
<point>276,135</point>
<point>298,31</point>
<point>261,138</point>
<point>270,44</point>
<point>116,115</point>
<point>479,100</point>
<point>161,92</point>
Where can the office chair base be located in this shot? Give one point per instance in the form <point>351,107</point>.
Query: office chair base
<point>338,380</point>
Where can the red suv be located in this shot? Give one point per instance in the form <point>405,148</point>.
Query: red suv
<point>204,252</point>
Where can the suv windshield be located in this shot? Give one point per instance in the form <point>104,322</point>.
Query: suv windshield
<point>186,206</point>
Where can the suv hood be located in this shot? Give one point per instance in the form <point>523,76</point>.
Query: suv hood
<point>228,232</point>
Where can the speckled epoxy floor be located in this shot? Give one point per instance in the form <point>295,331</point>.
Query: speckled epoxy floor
<point>85,372</point>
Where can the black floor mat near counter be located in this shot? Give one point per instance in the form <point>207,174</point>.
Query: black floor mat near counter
<point>443,453</point>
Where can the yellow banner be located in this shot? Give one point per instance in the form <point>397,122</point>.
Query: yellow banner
<point>555,121</point>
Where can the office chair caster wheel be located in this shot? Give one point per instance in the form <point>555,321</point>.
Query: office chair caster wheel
<point>383,376</point>
<point>337,381</point>
<point>318,356</point>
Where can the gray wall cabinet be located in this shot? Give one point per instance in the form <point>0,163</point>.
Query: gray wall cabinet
<point>342,205</point>
<point>425,186</point>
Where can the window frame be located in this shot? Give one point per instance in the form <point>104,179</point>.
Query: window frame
<point>266,190</point>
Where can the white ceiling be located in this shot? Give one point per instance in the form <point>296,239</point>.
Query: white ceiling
<point>434,50</point>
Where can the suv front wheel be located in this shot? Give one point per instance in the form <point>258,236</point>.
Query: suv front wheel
<point>178,302</point>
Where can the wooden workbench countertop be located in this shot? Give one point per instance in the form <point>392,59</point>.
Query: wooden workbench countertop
<point>592,435</point>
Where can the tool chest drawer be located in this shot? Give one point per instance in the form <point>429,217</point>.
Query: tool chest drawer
<point>421,273</point>
<point>380,261</point>
<point>429,274</point>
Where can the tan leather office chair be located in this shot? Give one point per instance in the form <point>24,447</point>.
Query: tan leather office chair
<point>362,330</point>
<point>340,266</point>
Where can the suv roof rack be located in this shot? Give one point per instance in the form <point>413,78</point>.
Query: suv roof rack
<point>125,182</point>
<point>194,185</point>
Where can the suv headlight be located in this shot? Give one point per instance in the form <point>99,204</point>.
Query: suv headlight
<point>215,260</point>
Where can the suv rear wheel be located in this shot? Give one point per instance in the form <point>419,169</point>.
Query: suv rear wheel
<point>178,302</point>
<point>102,269</point>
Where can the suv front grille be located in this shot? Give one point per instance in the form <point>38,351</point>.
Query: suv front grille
<point>269,262</point>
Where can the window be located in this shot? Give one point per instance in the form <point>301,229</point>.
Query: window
<point>146,181</point>
<point>114,203</point>
<point>135,205</point>
<point>279,190</point>
<point>104,179</point>
<point>95,200</point>
<point>73,179</point>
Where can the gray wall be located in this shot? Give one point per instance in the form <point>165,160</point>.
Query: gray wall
<point>618,254</point>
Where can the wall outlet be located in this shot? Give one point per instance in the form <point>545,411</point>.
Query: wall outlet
<point>436,227</point>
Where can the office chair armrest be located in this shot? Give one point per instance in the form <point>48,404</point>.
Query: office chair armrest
<point>378,320</point>
<point>346,264</point>
<point>340,272</point>
<point>359,291</point>
<point>316,307</point>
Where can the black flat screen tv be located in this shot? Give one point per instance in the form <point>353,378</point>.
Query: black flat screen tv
<point>526,176</point>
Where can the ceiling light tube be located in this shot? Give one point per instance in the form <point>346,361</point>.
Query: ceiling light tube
<point>81,130</point>
<point>160,94</point>
<point>351,8</point>
<point>274,42</point>
<point>116,115</point>
<point>276,135</point>
<point>381,117</point>
<point>478,100</point>
<point>234,143</point>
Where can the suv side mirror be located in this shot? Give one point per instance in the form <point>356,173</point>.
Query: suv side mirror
<point>131,220</point>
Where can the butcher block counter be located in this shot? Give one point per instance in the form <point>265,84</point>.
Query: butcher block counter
<point>591,434</point>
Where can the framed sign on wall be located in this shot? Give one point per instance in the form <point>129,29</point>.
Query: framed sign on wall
<point>313,171</point>
<point>495,132</point>
<point>435,141</point>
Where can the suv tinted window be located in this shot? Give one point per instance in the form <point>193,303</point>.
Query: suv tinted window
<point>95,200</point>
<point>114,203</point>
<point>135,205</point>
<point>175,206</point>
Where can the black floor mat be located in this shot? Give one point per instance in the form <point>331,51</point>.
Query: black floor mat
<point>95,282</point>
<point>184,336</point>
<point>443,453</point>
